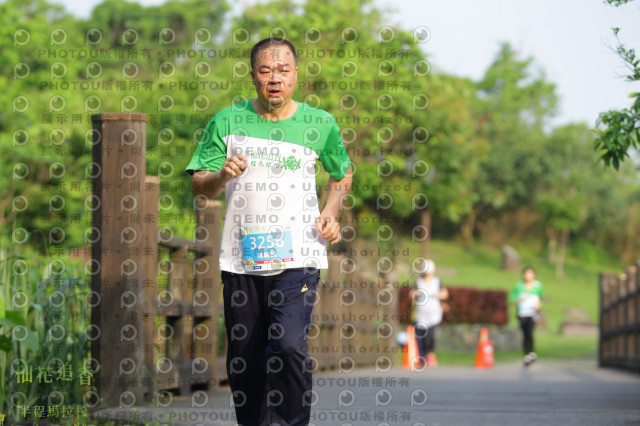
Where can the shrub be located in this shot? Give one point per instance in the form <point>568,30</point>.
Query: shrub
<point>465,305</point>
<point>43,318</point>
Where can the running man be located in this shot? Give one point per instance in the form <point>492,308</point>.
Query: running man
<point>263,153</point>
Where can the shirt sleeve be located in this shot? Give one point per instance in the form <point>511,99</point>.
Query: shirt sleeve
<point>211,152</point>
<point>540,291</point>
<point>334,157</point>
<point>514,293</point>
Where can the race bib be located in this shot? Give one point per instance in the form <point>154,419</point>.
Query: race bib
<point>527,304</point>
<point>266,247</point>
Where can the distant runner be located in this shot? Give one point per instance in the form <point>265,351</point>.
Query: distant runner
<point>527,294</point>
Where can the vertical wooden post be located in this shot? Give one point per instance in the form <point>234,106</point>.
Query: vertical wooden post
<point>632,272</point>
<point>118,264</point>
<point>622,316</point>
<point>150,254</point>
<point>331,329</point>
<point>601,294</point>
<point>207,278</point>
<point>636,325</point>
<point>632,314</point>
<point>386,302</point>
<point>178,349</point>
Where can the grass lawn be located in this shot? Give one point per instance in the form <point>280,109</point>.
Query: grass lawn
<point>548,346</point>
<point>552,346</point>
<point>480,267</point>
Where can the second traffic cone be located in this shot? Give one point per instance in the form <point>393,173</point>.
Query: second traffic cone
<point>484,354</point>
<point>410,357</point>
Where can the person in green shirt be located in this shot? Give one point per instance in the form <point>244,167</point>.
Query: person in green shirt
<point>527,295</point>
<point>263,153</point>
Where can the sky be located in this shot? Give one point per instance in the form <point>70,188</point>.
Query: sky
<point>569,40</point>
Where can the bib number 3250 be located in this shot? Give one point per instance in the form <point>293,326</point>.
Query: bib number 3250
<point>266,247</point>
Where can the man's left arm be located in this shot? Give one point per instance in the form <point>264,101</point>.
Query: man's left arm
<point>539,306</point>
<point>327,224</point>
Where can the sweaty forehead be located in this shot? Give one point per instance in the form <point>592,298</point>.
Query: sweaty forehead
<point>277,55</point>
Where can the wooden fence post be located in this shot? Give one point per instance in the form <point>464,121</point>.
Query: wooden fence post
<point>207,279</point>
<point>603,294</point>
<point>636,325</point>
<point>330,335</point>
<point>178,348</point>
<point>150,249</point>
<point>619,342</point>
<point>117,262</point>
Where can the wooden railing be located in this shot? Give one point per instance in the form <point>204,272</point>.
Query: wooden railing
<point>188,306</point>
<point>354,319</point>
<point>619,344</point>
<point>154,320</point>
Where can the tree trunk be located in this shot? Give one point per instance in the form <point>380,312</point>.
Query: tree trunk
<point>468,226</point>
<point>552,246</point>
<point>562,252</point>
<point>425,218</point>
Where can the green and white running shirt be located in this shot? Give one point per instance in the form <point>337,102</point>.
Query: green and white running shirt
<point>527,299</point>
<point>271,209</point>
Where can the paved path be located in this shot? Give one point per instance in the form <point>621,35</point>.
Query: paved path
<point>547,393</point>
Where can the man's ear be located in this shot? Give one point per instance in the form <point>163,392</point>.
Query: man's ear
<point>253,77</point>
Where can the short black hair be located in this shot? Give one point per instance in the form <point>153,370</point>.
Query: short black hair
<point>271,41</point>
<point>527,268</point>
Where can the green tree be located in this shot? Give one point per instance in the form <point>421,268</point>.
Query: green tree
<point>514,104</point>
<point>472,149</point>
<point>424,151</point>
<point>618,131</point>
<point>566,187</point>
<point>36,179</point>
<point>368,85</point>
<point>455,151</point>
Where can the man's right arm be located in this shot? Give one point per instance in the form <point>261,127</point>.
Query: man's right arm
<point>210,184</point>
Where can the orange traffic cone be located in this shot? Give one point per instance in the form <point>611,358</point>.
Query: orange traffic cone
<point>410,358</point>
<point>484,355</point>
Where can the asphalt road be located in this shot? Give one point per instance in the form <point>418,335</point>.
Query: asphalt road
<point>547,393</point>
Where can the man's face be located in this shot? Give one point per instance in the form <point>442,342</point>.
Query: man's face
<point>529,275</point>
<point>275,76</point>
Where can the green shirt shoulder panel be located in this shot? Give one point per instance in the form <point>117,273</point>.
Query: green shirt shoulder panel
<point>309,127</point>
<point>519,288</point>
<point>211,151</point>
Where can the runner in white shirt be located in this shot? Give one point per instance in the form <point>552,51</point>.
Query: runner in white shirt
<point>263,153</point>
<point>428,314</point>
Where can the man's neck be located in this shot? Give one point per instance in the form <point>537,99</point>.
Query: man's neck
<point>283,113</point>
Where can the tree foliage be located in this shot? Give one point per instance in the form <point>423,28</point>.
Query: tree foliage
<point>470,151</point>
<point>619,130</point>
